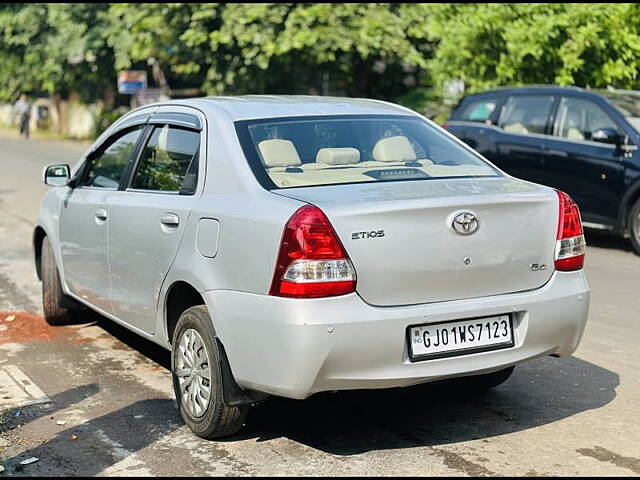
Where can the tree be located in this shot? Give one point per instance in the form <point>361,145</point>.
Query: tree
<point>55,49</point>
<point>380,50</point>
<point>567,44</point>
<point>276,48</point>
<point>144,34</point>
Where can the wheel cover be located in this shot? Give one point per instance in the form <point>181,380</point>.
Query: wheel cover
<point>635,226</point>
<point>193,370</point>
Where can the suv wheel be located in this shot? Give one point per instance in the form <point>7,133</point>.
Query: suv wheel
<point>197,377</point>
<point>52,297</point>
<point>634,226</point>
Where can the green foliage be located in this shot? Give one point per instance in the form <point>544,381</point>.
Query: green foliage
<point>406,52</point>
<point>427,102</point>
<point>54,48</point>
<point>567,44</point>
<point>104,119</point>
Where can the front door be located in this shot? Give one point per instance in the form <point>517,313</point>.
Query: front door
<point>591,172</point>
<point>147,222</point>
<point>84,219</point>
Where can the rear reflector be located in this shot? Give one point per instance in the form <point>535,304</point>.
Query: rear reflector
<point>570,245</point>
<point>312,263</point>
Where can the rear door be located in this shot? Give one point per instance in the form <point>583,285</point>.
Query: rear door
<point>84,218</point>
<point>519,147</point>
<point>590,171</point>
<point>149,214</point>
<point>473,123</point>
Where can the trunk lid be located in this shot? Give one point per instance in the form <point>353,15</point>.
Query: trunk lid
<point>420,258</point>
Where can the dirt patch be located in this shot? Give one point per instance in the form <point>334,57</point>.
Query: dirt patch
<point>23,327</point>
<point>604,455</point>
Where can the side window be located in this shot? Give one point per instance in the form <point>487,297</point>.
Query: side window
<point>578,119</point>
<point>479,110</point>
<point>169,161</point>
<point>526,114</point>
<point>106,169</point>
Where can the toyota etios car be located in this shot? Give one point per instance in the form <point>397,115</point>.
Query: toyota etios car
<point>294,245</point>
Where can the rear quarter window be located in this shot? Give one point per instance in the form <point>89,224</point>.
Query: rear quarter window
<point>478,110</point>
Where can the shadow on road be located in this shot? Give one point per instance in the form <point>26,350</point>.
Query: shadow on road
<point>347,423</point>
<point>59,402</point>
<point>598,238</point>
<point>102,442</point>
<point>152,351</point>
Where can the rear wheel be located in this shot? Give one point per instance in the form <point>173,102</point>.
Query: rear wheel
<point>52,297</point>
<point>634,226</point>
<point>485,381</point>
<point>197,377</point>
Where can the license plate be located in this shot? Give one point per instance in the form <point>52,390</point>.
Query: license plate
<point>460,337</point>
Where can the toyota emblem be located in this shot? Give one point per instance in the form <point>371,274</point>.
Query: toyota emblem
<point>465,223</point>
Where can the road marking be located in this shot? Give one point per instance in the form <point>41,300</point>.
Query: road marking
<point>18,390</point>
<point>128,462</point>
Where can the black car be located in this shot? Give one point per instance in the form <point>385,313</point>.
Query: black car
<point>584,142</point>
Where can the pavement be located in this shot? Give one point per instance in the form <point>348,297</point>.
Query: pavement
<point>94,399</point>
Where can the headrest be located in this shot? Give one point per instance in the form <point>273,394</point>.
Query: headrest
<point>338,156</point>
<point>279,153</point>
<point>516,127</point>
<point>394,149</point>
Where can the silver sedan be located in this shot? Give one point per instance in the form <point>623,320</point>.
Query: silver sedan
<point>293,245</point>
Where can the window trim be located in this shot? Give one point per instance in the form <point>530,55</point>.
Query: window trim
<point>126,184</point>
<point>100,149</point>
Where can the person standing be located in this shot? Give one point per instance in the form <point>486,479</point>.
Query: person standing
<point>22,109</point>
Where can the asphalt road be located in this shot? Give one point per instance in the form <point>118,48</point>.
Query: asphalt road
<point>570,416</point>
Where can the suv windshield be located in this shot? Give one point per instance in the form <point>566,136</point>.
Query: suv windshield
<point>309,151</point>
<point>629,106</point>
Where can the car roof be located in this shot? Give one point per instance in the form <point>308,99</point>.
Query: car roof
<point>248,107</point>
<point>525,89</point>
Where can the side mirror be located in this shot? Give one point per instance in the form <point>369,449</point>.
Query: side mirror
<point>56,175</point>
<point>607,135</point>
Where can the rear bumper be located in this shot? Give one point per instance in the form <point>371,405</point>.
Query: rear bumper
<point>294,348</point>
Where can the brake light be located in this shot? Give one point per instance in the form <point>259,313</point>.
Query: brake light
<point>570,246</point>
<point>312,263</point>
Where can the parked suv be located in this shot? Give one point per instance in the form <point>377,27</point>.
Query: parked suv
<point>583,142</point>
<point>293,245</point>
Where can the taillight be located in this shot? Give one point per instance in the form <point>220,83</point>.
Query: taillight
<point>312,263</point>
<point>570,247</point>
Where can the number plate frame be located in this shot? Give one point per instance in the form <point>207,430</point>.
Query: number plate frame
<point>460,351</point>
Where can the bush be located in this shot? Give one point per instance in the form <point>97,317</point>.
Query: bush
<point>428,102</point>
<point>105,119</point>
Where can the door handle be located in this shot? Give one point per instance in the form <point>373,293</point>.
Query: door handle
<point>170,220</point>
<point>558,153</point>
<point>101,214</point>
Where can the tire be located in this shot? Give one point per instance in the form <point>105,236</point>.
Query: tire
<point>52,297</point>
<point>634,226</point>
<point>212,418</point>
<point>485,381</point>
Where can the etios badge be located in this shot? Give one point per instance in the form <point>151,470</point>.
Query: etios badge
<point>465,223</point>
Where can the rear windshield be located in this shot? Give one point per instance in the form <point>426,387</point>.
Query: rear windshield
<point>310,151</point>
